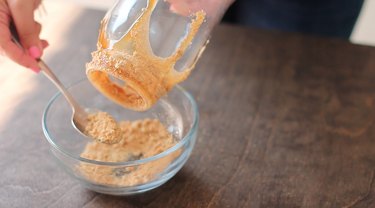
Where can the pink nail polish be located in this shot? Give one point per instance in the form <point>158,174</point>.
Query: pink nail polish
<point>35,52</point>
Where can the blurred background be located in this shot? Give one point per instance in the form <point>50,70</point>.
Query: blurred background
<point>363,33</point>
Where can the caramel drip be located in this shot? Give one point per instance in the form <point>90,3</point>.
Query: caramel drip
<point>147,77</point>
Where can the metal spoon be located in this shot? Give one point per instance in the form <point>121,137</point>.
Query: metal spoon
<point>79,115</point>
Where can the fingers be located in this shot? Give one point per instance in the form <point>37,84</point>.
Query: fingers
<point>18,55</point>
<point>45,44</point>
<point>188,7</point>
<point>11,50</point>
<point>22,14</point>
<point>180,7</point>
<point>28,30</point>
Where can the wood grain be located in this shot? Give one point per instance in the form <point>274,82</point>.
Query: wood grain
<point>286,121</point>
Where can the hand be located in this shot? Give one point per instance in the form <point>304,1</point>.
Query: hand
<point>21,12</point>
<point>211,7</point>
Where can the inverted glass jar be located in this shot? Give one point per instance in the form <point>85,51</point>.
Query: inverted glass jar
<point>145,47</point>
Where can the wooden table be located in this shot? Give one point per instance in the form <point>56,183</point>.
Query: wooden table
<point>286,121</point>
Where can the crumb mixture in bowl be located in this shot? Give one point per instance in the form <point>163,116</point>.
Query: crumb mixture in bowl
<point>133,164</point>
<point>125,141</point>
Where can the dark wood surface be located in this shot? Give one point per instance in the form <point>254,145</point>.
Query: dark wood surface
<point>286,121</point>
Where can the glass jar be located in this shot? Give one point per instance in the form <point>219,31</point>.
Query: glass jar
<point>145,47</point>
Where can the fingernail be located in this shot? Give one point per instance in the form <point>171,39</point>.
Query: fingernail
<point>172,8</point>
<point>35,69</point>
<point>35,52</point>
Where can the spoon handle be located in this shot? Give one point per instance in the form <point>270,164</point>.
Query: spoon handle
<point>48,73</point>
<point>52,77</point>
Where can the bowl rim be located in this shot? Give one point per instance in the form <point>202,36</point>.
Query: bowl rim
<point>189,135</point>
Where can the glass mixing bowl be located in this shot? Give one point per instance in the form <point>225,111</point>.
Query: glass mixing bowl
<point>177,111</point>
